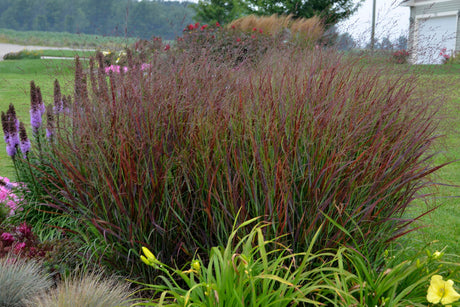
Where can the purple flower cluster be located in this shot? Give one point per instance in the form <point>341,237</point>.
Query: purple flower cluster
<point>37,107</point>
<point>10,125</point>
<point>49,122</point>
<point>15,135</point>
<point>25,142</point>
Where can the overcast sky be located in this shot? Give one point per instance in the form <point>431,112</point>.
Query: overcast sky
<point>392,20</point>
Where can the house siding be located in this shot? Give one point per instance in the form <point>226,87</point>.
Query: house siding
<point>419,8</point>
<point>423,7</point>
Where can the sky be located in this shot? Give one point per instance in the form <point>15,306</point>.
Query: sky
<point>391,20</point>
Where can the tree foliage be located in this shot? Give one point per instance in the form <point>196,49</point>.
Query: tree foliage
<point>222,11</point>
<point>104,17</point>
<point>332,11</point>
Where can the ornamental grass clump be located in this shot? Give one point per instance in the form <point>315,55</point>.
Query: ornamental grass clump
<point>166,157</point>
<point>90,289</point>
<point>20,281</point>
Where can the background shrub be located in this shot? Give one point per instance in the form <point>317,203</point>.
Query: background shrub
<point>23,54</point>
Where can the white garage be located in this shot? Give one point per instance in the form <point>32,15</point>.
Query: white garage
<point>434,30</point>
<point>434,38</point>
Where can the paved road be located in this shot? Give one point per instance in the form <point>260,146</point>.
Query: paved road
<point>6,48</point>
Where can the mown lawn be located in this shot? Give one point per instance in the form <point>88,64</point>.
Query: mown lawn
<point>15,77</point>
<point>443,224</point>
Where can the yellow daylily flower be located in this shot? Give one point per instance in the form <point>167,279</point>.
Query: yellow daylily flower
<point>441,291</point>
<point>195,268</point>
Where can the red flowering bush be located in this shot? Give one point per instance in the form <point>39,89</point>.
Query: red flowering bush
<point>449,58</point>
<point>400,56</point>
<point>229,45</point>
<point>21,241</point>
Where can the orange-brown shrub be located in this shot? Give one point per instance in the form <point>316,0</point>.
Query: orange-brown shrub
<point>310,29</point>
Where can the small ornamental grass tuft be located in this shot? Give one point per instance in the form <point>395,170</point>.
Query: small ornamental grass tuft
<point>20,281</point>
<point>86,290</point>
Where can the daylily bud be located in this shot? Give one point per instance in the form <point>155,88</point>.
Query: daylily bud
<point>196,265</point>
<point>149,258</point>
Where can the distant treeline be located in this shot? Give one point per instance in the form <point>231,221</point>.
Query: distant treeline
<point>103,17</point>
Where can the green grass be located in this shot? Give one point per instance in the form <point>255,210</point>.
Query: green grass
<point>63,39</point>
<point>442,225</point>
<point>15,77</point>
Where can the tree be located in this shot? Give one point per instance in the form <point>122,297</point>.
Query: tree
<point>345,42</point>
<point>385,44</point>
<point>212,11</point>
<point>401,42</point>
<point>332,11</point>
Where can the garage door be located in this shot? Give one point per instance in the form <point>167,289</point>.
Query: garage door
<point>432,35</point>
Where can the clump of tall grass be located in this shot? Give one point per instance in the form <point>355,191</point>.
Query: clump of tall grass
<point>21,280</point>
<point>303,29</point>
<point>166,157</point>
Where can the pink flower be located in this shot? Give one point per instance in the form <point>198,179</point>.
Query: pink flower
<point>24,229</point>
<point>197,25</point>
<point>254,29</point>
<point>145,66</point>
<point>217,24</point>
<point>19,247</point>
<point>115,68</point>
<point>203,27</point>
<point>233,27</point>
<point>167,47</point>
<point>238,39</point>
<point>260,31</point>
<point>253,36</point>
<point>7,237</point>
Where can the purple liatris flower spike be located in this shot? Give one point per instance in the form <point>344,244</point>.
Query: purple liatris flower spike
<point>25,143</point>
<point>49,122</point>
<point>41,104</point>
<point>10,125</point>
<point>6,132</point>
<point>13,125</point>
<point>35,114</point>
<point>58,102</point>
<point>35,119</point>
